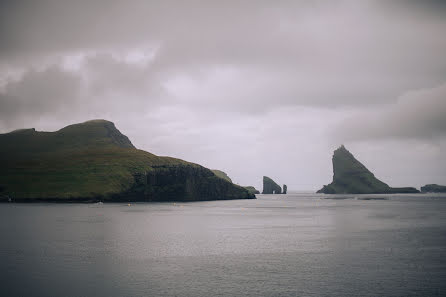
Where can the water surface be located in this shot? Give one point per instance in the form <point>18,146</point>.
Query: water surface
<point>277,245</point>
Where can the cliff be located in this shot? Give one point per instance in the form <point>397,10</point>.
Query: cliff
<point>221,174</point>
<point>94,161</point>
<point>270,186</point>
<point>433,188</point>
<point>351,176</point>
<point>252,190</point>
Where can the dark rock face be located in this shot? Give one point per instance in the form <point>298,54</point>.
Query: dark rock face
<point>224,176</point>
<point>285,188</point>
<point>350,176</point>
<point>252,190</point>
<point>93,161</point>
<point>433,188</point>
<point>185,183</point>
<point>270,186</point>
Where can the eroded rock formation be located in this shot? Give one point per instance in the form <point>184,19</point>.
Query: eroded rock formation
<point>270,186</point>
<point>351,176</point>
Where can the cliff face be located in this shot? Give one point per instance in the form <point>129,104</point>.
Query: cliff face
<point>185,182</point>
<point>351,176</point>
<point>270,186</point>
<point>93,161</point>
<point>221,174</point>
<point>252,190</point>
<point>433,188</point>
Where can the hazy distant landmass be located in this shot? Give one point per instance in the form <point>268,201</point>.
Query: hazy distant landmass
<point>351,176</point>
<point>93,161</point>
<point>433,188</point>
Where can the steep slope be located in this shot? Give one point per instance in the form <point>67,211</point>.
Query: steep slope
<point>93,161</point>
<point>221,174</point>
<point>252,190</point>
<point>351,176</point>
<point>270,186</point>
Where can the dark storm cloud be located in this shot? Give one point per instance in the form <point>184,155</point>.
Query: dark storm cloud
<point>38,94</point>
<point>105,85</point>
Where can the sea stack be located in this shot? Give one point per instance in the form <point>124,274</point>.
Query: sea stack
<point>270,186</point>
<point>285,188</point>
<point>351,177</point>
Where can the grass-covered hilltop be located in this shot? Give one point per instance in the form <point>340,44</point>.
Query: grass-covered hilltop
<point>352,177</point>
<point>93,161</point>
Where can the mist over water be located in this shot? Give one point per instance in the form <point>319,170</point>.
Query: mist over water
<point>277,245</point>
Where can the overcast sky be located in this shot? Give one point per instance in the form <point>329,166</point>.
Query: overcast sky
<point>249,87</point>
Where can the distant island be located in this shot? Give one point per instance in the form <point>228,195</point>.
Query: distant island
<point>93,161</point>
<point>351,177</point>
<point>433,188</point>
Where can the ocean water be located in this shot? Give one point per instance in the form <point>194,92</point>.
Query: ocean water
<point>277,245</point>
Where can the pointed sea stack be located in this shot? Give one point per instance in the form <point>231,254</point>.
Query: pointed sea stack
<point>351,177</point>
<point>270,186</point>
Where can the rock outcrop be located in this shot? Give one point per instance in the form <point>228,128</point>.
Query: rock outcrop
<point>221,174</point>
<point>285,188</point>
<point>433,188</point>
<point>93,161</point>
<point>252,190</point>
<point>270,186</point>
<point>350,176</point>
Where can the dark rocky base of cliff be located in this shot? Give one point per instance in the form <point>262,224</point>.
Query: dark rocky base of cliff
<point>335,189</point>
<point>165,183</point>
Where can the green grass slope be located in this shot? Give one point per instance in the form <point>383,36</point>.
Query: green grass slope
<point>222,174</point>
<point>93,161</point>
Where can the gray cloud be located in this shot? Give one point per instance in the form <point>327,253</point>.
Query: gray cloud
<point>225,83</point>
<point>418,115</point>
<point>38,94</point>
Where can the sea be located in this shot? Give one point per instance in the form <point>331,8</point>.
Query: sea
<point>299,244</point>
